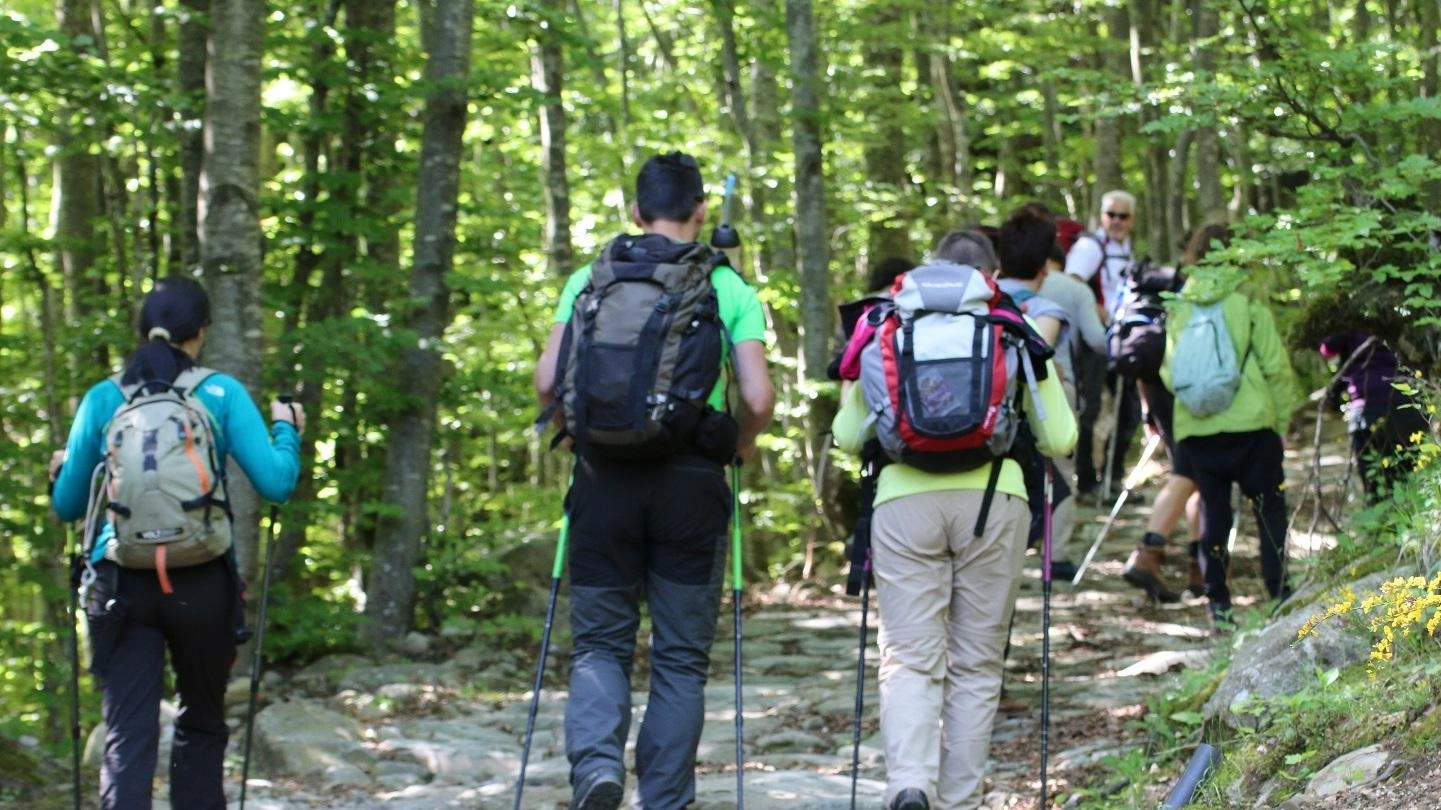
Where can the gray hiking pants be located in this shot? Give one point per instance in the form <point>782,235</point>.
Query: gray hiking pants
<point>654,531</point>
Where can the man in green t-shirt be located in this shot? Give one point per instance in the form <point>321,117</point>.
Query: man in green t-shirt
<point>656,529</point>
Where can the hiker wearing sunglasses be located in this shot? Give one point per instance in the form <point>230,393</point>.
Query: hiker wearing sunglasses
<point>1100,258</point>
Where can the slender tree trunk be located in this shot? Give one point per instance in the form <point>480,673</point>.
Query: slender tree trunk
<point>1210,199</point>
<point>1145,21</point>
<point>390,596</point>
<point>806,137</point>
<point>1113,60</point>
<point>76,204</point>
<point>547,77</point>
<point>1430,89</point>
<point>190,75</point>
<point>229,223</point>
<point>885,157</point>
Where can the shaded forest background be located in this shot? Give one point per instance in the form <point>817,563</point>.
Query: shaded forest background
<point>384,196</point>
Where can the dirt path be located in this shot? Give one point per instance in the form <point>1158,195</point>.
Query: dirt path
<point>447,734</point>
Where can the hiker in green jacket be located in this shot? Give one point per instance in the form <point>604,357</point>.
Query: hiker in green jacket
<point>1231,442</point>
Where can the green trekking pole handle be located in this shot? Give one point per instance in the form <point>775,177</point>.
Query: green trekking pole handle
<point>736,601</point>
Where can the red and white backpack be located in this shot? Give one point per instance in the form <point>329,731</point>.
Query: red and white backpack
<point>940,367</point>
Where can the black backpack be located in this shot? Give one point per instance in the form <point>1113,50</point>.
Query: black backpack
<point>642,350</point>
<point>1136,339</point>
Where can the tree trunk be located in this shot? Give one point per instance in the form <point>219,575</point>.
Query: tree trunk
<point>1108,125</point>
<point>813,251</point>
<point>1210,199</point>
<point>229,224</point>
<point>1430,88</point>
<point>76,203</point>
<point>390,595</point>
<point>547,76</point>
<point>1145,22</point>
<point>190,75</point>
<point>885,156</point>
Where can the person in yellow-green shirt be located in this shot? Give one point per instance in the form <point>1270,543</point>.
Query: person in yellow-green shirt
<point>946,592</point>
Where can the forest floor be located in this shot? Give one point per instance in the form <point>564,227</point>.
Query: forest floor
<point>1111,650</point>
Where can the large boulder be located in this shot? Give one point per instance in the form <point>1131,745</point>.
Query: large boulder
<point>304,738</point>
<point>1275,662</point>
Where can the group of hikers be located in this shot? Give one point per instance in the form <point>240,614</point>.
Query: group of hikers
<point>971,384</point>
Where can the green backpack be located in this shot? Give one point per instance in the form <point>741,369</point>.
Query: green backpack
<point>163,481</point>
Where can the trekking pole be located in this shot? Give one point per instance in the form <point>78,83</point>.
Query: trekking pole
<point>736,601</point>
<point>724,236</point>
<point>257,659</point>
<point>860,681</point>
<point>1132,481</point>
<point>74,671</point>
<point>1109,469</point>
<point>1046,632</point>
<point>555,571</point>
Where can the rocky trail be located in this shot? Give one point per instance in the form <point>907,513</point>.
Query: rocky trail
<point>421,734</point>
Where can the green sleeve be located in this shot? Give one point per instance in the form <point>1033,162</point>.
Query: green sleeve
<point>1056,434</point>
<point>1270,354</point>
<point>851,427</point>
<point>740,307</point>
<point>573,286</point>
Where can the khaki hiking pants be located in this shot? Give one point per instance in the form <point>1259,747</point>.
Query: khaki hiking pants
<point>945,600</point>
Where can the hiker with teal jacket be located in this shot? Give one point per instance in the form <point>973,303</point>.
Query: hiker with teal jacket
<point>1234,389</point>
<point>145,597</point>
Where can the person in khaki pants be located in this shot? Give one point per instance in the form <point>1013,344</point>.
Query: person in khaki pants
<point>945,593</point>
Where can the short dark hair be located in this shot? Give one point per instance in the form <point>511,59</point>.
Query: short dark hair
<point>668,187</point>
<point>1025,243</point>
<point>884,272</point>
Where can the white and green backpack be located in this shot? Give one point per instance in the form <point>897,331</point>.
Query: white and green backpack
<point>163,483</point>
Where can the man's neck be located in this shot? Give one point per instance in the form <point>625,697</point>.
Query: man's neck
<point>1031,284</point>
<point>679,231</point>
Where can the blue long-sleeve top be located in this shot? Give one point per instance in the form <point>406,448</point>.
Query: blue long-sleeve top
<point>270,458</point>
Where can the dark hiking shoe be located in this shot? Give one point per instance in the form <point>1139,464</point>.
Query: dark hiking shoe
<point>1143,569</point>
<point>910,799</point>
<point>1223,618</point>
<point>599,791</point>
<point>1062,570</point>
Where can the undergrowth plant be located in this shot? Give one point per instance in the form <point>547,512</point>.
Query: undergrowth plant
<point>1409,519</point>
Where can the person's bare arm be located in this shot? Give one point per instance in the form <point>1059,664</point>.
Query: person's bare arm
<point>545,372</point>
<point>1049,328</point>
<point>757,396</point>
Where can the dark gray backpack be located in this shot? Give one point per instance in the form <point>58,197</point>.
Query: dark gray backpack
<point>642,351</point>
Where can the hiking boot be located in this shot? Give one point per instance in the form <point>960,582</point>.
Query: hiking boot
<point>1143,569</point>
<point>1195,577</point>
<point>1062,570</point>
<point>910,799</point>
<point>599,791</point>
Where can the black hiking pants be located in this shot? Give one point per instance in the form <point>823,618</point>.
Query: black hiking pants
<point>1092,382</point>
<point>1252,460</point>
<point>1381,443</point>
<point>132,625</point>
<point>653,530</point>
